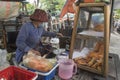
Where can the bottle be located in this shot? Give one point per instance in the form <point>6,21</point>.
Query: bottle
<point>67,47</point>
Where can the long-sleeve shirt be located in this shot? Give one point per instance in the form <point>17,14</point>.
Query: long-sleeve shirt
<point>28,38</point>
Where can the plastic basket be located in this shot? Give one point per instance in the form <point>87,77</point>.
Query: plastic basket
<point>16,73</point>
<point>43,75</point>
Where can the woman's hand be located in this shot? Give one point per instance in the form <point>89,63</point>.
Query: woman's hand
<point>35,52</point>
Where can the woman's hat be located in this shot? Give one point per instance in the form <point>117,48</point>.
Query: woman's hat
<point>39,15</point>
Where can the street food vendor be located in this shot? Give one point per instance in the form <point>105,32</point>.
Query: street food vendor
<point>30,34</point>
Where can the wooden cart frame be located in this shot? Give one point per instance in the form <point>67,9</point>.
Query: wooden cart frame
<point>106,11</point>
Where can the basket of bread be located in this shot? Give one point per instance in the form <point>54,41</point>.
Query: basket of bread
<point>94,59</point>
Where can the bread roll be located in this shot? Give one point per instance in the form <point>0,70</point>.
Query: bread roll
<point>98,45</point>
<point>93,54</point>
<point>101,49</point>
<point>81,62</point>
<point>99,27</point>
<point>91,62</point>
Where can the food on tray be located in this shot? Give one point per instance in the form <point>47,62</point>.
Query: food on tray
<point>99,27</point>
<point>98,46</point>
<point>93,54</point>
<point>94,65</point>
<point>38,63</point>
<point>82,61</point>
<point>99,68</point>
<point>91,62</point>
<point>98,63</point>
<point>95,57</point>
<point>101,49</point>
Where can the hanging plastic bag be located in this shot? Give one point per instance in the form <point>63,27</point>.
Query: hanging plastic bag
<point>3,60</point>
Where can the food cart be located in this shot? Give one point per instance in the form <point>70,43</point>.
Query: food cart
<point>84,73</point>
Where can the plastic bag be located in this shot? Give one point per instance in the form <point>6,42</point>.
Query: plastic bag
<point>3,60</point>
<point>40,64</point>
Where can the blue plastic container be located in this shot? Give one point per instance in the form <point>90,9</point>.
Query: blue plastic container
<point>43,75</point>
<point>46,77</point>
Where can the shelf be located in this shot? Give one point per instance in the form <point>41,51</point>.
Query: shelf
<point>92,7</point>
<point>90,34</point>
<point>101,4</point>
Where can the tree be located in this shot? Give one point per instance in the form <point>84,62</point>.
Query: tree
<point>30,8</point>
<point>53,5</point>
<point>117,13</point>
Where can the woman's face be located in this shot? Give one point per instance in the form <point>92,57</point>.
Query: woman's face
<point>37,23</point>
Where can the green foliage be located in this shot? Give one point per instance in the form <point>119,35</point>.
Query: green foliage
<point>53,5</point>
<point>30,8</point>
<point>117,13</point>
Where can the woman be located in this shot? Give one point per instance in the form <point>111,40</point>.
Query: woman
<point>30,34</point>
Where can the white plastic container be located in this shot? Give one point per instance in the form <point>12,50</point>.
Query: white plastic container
<point>55,42</point>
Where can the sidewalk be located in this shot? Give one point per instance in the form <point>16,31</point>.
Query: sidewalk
<point>115,43</point>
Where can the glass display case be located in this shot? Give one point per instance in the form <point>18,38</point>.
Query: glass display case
<point>92,42</point>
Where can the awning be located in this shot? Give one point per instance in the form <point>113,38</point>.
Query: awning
<point>67,8</point>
